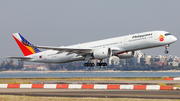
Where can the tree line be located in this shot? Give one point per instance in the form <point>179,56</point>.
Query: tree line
<point>128,65</point>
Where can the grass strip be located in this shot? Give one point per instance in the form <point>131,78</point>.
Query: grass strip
<point>87,78</point>
<point>32,98</point>
<point>29,80</point>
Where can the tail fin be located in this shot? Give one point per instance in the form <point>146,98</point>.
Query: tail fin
<point>24,45</point>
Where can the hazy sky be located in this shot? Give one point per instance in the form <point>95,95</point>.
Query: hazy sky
<point>67,22</point>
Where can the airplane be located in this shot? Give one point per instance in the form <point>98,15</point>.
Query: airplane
<point>123,47</point>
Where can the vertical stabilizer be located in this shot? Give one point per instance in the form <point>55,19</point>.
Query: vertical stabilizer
<point>24,45</point>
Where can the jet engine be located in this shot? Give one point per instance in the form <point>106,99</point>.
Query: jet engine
<point>102,53</point>
<point>126,55</point>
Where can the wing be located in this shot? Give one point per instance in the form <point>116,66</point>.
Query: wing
<point>70,50</point>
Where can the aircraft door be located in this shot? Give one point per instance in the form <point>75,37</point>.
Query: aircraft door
<point>125,41</point>
<point>155,36</point>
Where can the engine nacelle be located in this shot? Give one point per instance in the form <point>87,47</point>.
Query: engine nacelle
<point>126,55</point>
<point>102,53</point>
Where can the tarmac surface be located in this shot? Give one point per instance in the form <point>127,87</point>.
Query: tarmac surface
<point>165,94</point>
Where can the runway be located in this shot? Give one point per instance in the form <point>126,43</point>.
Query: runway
<point>94,93</point>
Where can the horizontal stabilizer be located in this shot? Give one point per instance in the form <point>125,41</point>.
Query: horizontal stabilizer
<point>19,58</point>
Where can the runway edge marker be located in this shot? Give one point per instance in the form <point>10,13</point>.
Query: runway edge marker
<point>89,86</point>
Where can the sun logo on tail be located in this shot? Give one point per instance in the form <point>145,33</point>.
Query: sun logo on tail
<point>25,46</point>
<point>161,38</point>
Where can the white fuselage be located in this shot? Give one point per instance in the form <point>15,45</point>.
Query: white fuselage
<point>120,44</point>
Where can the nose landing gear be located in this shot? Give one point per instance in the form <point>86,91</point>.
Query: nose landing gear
<point>166,51</point>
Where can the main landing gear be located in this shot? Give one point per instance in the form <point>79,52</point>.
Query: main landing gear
<point>88,64</point>
<point>166,51</point>
<point>101,64</point>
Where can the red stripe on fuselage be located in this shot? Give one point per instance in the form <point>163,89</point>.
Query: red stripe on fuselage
<point>23,48</point>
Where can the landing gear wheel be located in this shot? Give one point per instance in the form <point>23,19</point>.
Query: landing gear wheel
<point>85,64</point>
<point>89,64</point>
<point>92,65</point>
<point>98,64</point>
<point>104,64</point>
<point>101,64</point>
<point>166,52</point>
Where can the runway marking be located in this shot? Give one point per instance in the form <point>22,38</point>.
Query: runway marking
<point>97,86</point>
<point>152,87</point>
<point>89,86</point>
<point>75,86</point>
<point>140,87</point>
<point>62,86</point>
<point>37,85</point>
<point>25,85</point>
<point>113,87</point>
<point>3,85</point>
<point>50,86</point>
<point>129,87</point>
<point>172,79</point>
<point>13,86</point>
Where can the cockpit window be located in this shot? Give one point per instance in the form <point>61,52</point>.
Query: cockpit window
<point>168,34</point>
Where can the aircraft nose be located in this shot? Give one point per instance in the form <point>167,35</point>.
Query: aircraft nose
<point>174,39</point>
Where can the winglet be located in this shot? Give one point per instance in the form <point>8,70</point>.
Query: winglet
<point>24,45</point>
